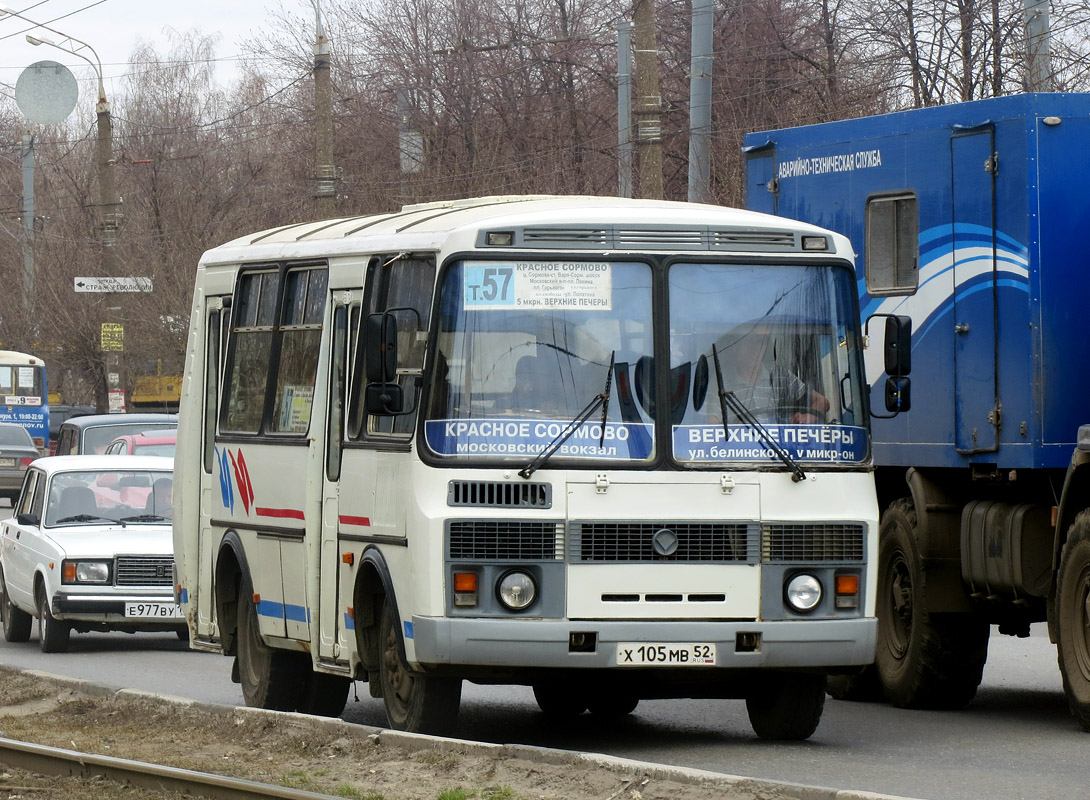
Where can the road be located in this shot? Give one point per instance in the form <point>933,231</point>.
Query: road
<point>1015,741</point>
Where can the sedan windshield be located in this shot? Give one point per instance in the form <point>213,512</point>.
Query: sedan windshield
<point>77,498</point>
<point>524,346</point>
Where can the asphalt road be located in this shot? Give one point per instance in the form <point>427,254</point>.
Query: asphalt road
<point>1016,740</point>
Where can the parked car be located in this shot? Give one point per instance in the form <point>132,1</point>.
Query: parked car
<point>90,548</point>
<point>149,443</point>
<point>17,451</point>
<point>58,415</point>
<point>93,433</point>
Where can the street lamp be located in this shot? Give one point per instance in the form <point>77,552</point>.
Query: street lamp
<point>108,200</point>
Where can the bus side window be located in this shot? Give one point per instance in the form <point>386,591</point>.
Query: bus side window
<point>300,344</point>
<point>212,365</point>
<point>250,351</point>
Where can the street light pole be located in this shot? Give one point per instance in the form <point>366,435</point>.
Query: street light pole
<point>109,202</point>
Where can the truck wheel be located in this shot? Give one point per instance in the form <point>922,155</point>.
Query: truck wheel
<point>326,695</point>
<point>270,677</point>
<point>414,702</point>
<point>924,660</point>
<point>53,635</point>
<point>560,699</point>
<point>786,706</point>
<point>859,687</point>
<point>17,623</point>
<point>1073,616</point>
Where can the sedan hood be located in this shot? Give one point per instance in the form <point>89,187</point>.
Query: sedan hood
<point>100,541</point>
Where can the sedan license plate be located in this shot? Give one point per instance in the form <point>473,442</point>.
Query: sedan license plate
<point>665,654</point>
<point>7,462</point>
<point>153,610</point>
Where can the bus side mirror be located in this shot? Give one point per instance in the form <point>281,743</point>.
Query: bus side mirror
<point>380,350</point>
<point>898,349</point>
<point>898,394</point>
<point>384,399</point>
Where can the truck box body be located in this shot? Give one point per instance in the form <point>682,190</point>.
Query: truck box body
<point>997,298</point>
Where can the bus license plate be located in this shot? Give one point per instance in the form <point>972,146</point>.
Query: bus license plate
<point>7,462</point>
<point>153,610</point>
<point>667,654</point>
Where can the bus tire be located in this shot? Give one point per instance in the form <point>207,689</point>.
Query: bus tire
<point>270,677</point>
<point>560,699</point>
<point>924,659</point>
<point>1073,617</point>
<point>17,623</point>
<point>53,635</point>
<point>858,687</point>
<point>326,695</point>
<point>786,706</point>
<point>414,702</point>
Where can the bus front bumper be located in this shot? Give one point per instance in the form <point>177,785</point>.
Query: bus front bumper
<point>783,644</point>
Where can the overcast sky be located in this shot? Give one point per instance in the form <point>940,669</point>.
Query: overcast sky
<point>114,28</point>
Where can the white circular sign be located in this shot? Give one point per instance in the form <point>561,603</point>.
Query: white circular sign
<point>46,92</point>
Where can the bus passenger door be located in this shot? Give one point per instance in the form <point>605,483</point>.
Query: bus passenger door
<point>973,169</point>
<point>202,588</point>
<point>337,564</point>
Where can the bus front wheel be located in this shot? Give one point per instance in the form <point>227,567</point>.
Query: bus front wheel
<point>414,702</point>
<point>270,677</point>
<point>1073,610</point>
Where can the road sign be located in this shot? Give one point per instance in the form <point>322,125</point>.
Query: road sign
<point>108,285</point>
<point>113,336</point>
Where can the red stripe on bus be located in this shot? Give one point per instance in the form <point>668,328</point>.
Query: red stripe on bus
<point>286,513</point>
<point>363,522</point>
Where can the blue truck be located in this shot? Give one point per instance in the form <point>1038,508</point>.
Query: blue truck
<point>972,220</point>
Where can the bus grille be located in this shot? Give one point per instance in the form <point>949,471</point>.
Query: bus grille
<point>806,542</point>
<point>635,541</point>
<point>501,494</point>
<point>508,540</point>
<point>143,571</point>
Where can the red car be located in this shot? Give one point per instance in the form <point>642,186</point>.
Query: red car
<point>149,443</point>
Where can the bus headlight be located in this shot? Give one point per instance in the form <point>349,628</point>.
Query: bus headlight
<point>803,592</point>
<point>516,590</point>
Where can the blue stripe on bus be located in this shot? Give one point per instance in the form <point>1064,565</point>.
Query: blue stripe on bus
<point>408,630</point>
<point>349,622</point>
<point>183,595</point>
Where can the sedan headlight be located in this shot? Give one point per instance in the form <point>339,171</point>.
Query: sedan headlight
<point>803,592</point>
<point>516,590</point>
<point>86,572</point>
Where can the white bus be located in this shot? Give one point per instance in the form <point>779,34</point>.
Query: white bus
<point>609,449</point>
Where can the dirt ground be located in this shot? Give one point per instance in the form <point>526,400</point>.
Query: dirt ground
<point>329,757</point>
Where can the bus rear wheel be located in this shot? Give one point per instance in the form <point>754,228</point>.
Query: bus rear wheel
<point>326,695</point>
<point>1073,611</point>
<point>924,659</point>
<point>270,677</point>
<point>414,702</point>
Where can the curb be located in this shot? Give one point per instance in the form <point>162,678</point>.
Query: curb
<point>419,741</point>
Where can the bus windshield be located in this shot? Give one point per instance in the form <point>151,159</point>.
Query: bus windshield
<point>781,343</point>
<point>525,345</point>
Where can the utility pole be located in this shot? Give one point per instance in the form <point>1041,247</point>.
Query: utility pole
<point>28,228</point>
<point>700,103</point>
<point>624,109</point>
<point>649,105</point>
<point>325,172</point>
<point>1038,60</point>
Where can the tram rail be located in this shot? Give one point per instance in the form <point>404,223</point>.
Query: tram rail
<point>45,760</point>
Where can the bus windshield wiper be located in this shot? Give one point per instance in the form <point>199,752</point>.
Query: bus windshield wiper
<point>746,416</point>
<point>600,399</point>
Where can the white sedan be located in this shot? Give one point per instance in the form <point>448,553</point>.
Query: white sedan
<point>90,548</point>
